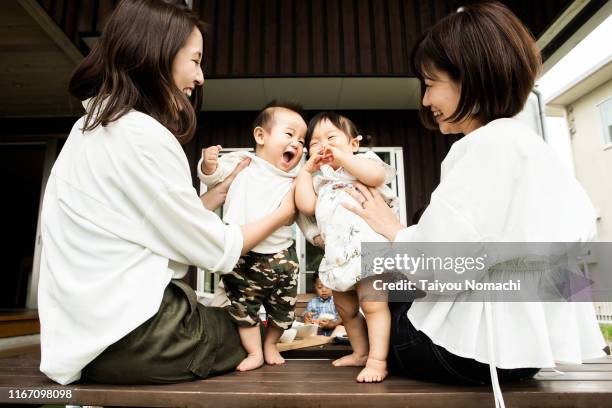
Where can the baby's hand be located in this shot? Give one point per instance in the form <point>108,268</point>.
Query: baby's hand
<point>318,241</point>
<point>333,154</point>
<point>308,317</point>
<point>327,324</point>
<point>210,159</point>
<point>315,161</point>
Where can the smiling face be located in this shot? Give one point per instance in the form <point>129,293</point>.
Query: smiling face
<point>282,144</point>
<point>442,96</point>
<point>186,67</point>
<point>322,291</point>
<point>326,134</point>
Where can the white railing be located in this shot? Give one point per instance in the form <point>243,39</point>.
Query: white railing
<point>603,312</point>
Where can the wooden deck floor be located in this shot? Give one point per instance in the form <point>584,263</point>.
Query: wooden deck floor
<point>315,383</point>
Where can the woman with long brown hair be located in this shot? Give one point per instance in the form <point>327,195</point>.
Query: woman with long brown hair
<point>499,183</point>
<point>121,220</point>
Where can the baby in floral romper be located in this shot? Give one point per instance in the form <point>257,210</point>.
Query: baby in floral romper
<point>322,184</point>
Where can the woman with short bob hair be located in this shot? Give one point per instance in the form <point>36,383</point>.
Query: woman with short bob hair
<point>121,220</point>
<point>499,183</point>
<point>459,44</point>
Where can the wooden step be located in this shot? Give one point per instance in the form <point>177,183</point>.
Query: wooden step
<point>18,323</point>
<point>316,383</point>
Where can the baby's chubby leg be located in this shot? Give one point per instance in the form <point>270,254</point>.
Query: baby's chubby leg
<point>378,319</point>
<point>347,305</point>
<point>251,341</point>
<point>271,354</point>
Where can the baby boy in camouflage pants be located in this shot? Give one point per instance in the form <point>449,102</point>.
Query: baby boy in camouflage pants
<point>268,274</point>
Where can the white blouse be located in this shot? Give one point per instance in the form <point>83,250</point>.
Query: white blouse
<point>120,218</point>
<point>502,183</point>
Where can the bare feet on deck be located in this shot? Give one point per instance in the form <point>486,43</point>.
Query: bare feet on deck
<point>272,356</point>
<point>351,360</point>
<point>374,371</point>
<point>251,362</point>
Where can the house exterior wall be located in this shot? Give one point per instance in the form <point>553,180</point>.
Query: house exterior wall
<point>592,159</point>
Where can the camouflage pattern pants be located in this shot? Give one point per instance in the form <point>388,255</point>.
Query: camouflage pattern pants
<point>268,279</point>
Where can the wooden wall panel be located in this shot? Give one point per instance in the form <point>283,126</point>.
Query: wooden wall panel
<point>268,38</point>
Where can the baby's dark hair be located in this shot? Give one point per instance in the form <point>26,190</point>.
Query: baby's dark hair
<point>265,118</point>
<point>315,276</point>
<point>339,121</point>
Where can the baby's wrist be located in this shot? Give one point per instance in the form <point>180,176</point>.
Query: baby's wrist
<point>308,170</point>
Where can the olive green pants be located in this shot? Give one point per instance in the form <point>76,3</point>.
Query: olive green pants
<point>183,341</point>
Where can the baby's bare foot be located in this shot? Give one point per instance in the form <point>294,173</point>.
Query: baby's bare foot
<point>374,371</point>
<point>351,360</point>
<point>251,362</point>
<point>272,356</point>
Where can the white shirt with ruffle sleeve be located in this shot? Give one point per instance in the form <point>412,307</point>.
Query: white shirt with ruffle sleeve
<point>120,218</point>
<point>503,183</point>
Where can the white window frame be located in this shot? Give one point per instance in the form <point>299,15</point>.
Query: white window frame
<point>607,130</point>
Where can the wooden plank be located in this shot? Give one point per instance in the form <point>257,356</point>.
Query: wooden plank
<point>382,47</point>
<point>307,342</point>
<point>292,384</point>
<point>45,60</point>
<point>399,63</point>
<point>255,37</point>
<point>207,14</point>
<point>389,394</point>
<point>17,350</point>
<point>241,37</point>
<point>302,43</point>
<point>412,27</point>
<point>364,34</point>
<point>271,40</point>
<point>18,315</point>
<point>50,27</point>
<point>288,46</point>
<point>24,35</point>
<point>19,328</point>
<point>333,32</point>
<point>317,30</point>
<point>223,29</point>
<point>350,37</point>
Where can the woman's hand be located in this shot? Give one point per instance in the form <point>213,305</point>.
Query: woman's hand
<point>375,211</point>
<point>215,197</point>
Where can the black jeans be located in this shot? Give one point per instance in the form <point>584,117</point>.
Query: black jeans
<point>412,354</point>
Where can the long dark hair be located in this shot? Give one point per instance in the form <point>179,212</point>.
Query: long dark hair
<point>130,67</point>
<point>486,49</point>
